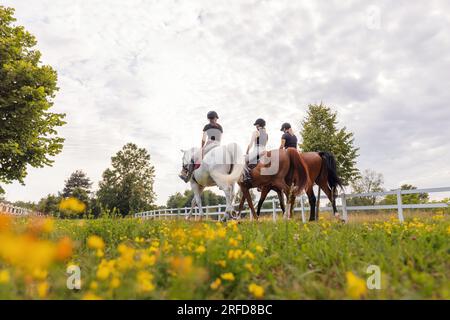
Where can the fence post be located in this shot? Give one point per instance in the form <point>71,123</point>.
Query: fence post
<point>274,210</point>
<point>400,205</point>
<point>344,207</point>
<point>302,202</point>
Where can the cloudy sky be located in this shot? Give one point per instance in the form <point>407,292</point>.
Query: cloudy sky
<point>148,71</point>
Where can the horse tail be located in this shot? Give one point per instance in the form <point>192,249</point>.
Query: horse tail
<point>330,165</point>
<point>299,169</point>
<point>235,158</point>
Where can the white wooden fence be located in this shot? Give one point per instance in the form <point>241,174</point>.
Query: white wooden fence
<point>6,208</point>
<point>219,210</point>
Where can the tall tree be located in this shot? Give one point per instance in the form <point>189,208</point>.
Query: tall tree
<point>128,185</point>
<point>209,198</point>
<point>320,132</point>
<point>78,180</point>
<point>415,198</point>
<point>370,181</point>
<point>49,205</point>
<point>27,88</point>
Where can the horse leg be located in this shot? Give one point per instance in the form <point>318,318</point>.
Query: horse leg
<point>241,203</point>
<point>282,185</point>
<point>265,190</point>
<point>198,197</point>
<point>229,198</point>
<point>330,194</point>
<point>250,204</point>
<point>193,204</point>
<point>318,204</point>
<point>292,205</point>
<point>281,199</point>
<point>312,203</point>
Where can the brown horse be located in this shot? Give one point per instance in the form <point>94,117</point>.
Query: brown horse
<point>284,171</point>
<point>322,171</point>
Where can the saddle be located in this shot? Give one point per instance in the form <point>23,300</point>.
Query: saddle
<point>203,152</point>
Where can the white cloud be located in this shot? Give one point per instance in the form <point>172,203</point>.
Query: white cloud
<point>148,71</point>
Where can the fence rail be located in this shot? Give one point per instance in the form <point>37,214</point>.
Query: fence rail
<point>219,210</point>
<point>6,208</point>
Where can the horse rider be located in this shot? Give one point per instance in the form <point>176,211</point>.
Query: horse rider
<point>212,134</point>
<point>257,146</point>
<point>288,139</point>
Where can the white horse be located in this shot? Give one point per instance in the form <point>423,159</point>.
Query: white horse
<point>222,166</point>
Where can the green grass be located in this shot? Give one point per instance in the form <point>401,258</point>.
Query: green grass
<point>297,261</point>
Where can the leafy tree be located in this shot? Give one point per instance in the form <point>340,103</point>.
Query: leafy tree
<point>78,186</point>
<point>76,182</point>
<point>179,200</point>
<point>49,205</point>
<point>415,198</point>
<point>370,181</point>
<point>320,133</point>
<point>25,204</point>
<point>128,185</point>
<point>27,89</point>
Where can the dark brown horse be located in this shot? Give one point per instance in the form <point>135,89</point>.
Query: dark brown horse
<point>282,170</point>
<point>322,171</point>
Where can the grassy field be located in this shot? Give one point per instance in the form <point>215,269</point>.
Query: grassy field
<point>174,259</point>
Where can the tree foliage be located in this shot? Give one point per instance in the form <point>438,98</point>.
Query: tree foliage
<point>77,181</point>
<point>369,181</point>
<point>27,89</point>
<point>128,184</point>
<point>320,132</point>
<point>179,200</point>
<point>415,198</point>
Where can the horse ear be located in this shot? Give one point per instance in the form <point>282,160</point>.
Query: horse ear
<point>182,151</point>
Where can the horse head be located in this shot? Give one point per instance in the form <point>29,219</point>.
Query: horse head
<point>187,164</point>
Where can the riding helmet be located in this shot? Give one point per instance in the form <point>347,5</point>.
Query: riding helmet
<point>212,115</point>
<point>260,122</point>
<point>285,126</point>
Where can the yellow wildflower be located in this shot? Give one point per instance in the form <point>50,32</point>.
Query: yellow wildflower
<point>234,254</point>
<point>5,222</point>
<point>200,249</point>
<point>39,274</point>
<point>72,204</point>
<point>91,296</point>
<point>93,285</point>
<point>4,276</point>
<point>221,263</point>
<point>115,283</point>
<point>248,254</point>
<point>356,287</point>
<point>42,289</point>
<point>227,276</point>
<point>95,242</point>
<point>181,265</point>
<point>257,291</point>
<point>216,284</point>
<point>144,279</point>
<point>233,242</point>
<point>64,249</point>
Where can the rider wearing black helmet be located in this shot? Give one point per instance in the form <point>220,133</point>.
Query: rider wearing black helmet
<point>258,141</point>
<point>257,146</point>
<point>288,140</point>
<point>212,132</point>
